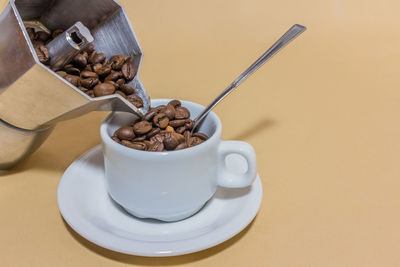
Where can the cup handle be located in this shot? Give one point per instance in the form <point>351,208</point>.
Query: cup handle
<point>227,178</point>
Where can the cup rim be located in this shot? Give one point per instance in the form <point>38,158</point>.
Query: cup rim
<point>106,138</point>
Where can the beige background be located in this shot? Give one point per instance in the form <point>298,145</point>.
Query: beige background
<point>323,116</point>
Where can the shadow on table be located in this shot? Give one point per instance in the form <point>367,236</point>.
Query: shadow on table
<point>255,129</point>
<point>157,261</point>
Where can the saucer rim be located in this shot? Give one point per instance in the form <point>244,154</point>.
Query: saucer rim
<point>225,234</point>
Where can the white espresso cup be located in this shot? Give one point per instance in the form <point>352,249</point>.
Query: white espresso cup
<point>171,185</point>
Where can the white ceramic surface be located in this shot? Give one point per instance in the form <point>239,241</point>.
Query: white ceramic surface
<point>85,205</point>
<point>171,185</point>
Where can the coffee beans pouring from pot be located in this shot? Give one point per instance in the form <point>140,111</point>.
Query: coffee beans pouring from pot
<point>90,71</point>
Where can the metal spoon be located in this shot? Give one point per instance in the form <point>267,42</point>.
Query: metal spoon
<point>292,33</point>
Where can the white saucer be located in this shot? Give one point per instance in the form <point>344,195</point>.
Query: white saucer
<point>87,208</point>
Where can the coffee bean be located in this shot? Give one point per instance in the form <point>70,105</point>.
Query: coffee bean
<point>172,140</point>
<point>88,74</point>
<point>142,127</point>
<point>158,108</point>
<point>31,33</point>
<point>42,36</point>
<point>83,89</point>
<point>99,58</point>
<point>89,82</point>
<point>161,120</point>
<point>104,70</point>
<point>85,54</point>
<point>163,132</point>
<point>194,141</point>
<point>153,132</point>
<point>56,33</point>
<point>90,93</point>
<point>80,61</point>
<point>70,69</point>
<point>156,147</point>
<point>127,89</point>
<point>125,133</point>
<point>177,123</point>
<point>116,85</point>
<point>187,135</point>
<point>170,129</point>
<point>113,76</point>
<point>42,53</point>
<point>120,93</point>
<point>157,138</point>
<point>103,89</point>
<point>169,111</point>
<point>92,56</point>
<point>61,73</point>
<point>89,48</point>
<point>200,135</point>
<point>128,69</point>
<point>181,113</point>
<point>181,146</point>
<point>96,58</point>
<point>136,100</point>
<point>189,124</point>
<point>148,143</point>
<point>112,83</point>
<point>181,129</point>
<point>149,115</point>
<point>134,145</point>
<point>88,68</point>
<point>96,68</point>
<point>175,103</point>
<point>179,137</point>
<point>169,142</point>
<point>117,61</point>
<point>140,138</point>
<point>120,81</point>
<point>116,139</point>
<point>73,79</point>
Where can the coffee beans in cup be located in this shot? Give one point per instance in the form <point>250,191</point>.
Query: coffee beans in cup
<point>162,128</point>
<point>90,71</point>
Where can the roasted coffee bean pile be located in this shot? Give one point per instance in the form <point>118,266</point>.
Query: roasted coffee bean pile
<point>39,40</point>
<point>90,71</point>
<point>163,128</point>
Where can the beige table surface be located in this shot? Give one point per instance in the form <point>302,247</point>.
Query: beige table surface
<point>323,117</point>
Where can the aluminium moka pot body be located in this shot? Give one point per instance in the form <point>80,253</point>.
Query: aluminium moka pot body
<point>33,98</point>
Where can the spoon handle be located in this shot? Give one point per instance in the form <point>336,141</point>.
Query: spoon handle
<point>292,33</point>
